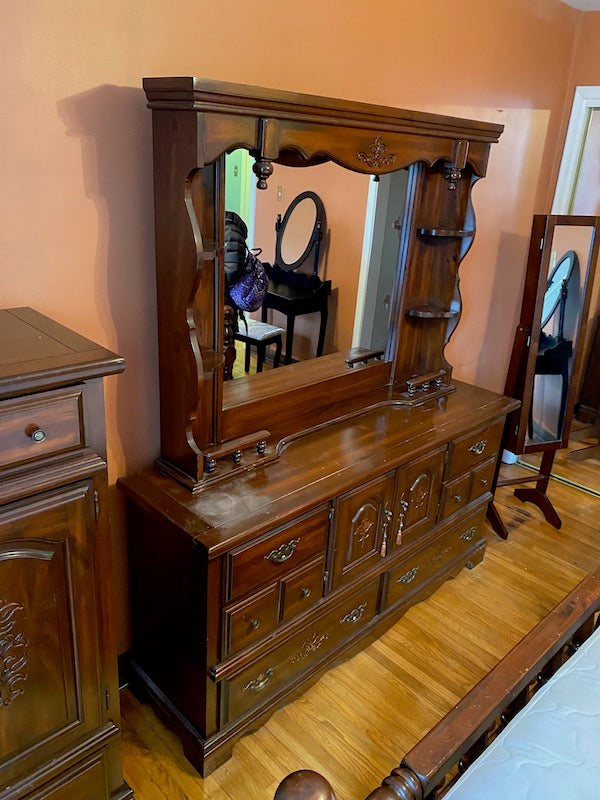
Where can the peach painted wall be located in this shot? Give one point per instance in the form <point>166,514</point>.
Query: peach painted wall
<point>76,226</point>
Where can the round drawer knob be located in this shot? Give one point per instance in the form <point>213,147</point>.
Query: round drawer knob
<point>37,434</point>
<point>458,498</point>
<point>306,592</point>
<point>254,624</point>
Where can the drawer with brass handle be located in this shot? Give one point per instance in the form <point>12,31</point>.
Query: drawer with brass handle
<point>472,449</point>
<point>250,620</point>
<point>280,668</point>
<point>416,569</point>
<point>40,425</point>
<point>269,558</point>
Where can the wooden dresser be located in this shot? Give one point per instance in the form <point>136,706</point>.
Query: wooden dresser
<point>293,515</point>
<point>59,697</point>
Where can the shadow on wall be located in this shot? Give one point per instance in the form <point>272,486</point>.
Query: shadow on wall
<point>114,126</point>
<point>115,129</point>
<point>507,291</point>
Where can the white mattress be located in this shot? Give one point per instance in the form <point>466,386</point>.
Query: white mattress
<point>551,749</point>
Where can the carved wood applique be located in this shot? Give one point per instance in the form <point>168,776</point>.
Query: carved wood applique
<point>363,532</point>
<point>13,656</point>
<point>376,157</point>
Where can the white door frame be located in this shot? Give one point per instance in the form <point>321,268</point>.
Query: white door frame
<point>586,99</point>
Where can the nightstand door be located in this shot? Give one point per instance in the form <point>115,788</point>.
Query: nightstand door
<point>49,643</point>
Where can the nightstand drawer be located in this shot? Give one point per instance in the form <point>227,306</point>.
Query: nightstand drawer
<point>40,425</point>
<point>268,559</point>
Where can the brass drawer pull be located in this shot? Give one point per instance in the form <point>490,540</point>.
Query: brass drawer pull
<point>469,534</point>
<point>283,552</point>
<point>353,616</point>
<point>259,682</point>
<point>458,498</point>
<point>36,434</point>
<point>254,624</point>
<point>483,481</point>
<point>409,576</point>
<point>306,592</point>
<point>478,447</point>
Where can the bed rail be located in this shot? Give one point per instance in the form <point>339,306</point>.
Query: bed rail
<point>429,769</point>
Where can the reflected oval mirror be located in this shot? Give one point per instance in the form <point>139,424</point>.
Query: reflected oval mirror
<point>560,274</point>
<point>299,230</point>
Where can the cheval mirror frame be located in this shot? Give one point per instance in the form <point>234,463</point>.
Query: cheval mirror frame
<point>526,350</point>
<point>195,123</point>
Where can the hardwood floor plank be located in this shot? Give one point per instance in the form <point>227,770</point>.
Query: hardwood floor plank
<point>355,723</point>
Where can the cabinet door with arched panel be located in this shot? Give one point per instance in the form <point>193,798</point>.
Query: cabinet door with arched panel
<point>363,520</point>
<point>417,496</point>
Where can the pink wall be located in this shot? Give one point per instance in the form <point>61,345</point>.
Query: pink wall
<point>76,206</point>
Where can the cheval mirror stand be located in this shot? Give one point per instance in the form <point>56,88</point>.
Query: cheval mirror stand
<point>292,516</point>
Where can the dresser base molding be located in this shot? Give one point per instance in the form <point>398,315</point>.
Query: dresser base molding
<point>207,753</point>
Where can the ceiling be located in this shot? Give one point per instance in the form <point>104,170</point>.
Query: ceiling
<point>584,5</point>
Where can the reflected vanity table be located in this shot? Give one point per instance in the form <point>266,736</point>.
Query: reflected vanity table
<point>294,515</point>
<point>292,291</point>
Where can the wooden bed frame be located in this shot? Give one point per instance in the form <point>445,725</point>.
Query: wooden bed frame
<point>428,770</point>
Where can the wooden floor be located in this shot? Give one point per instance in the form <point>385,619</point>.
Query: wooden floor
<point>355,724</point>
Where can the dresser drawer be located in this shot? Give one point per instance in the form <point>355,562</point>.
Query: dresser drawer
<point>302,589</point>
<point>266,560</point>
<point>455,495</point>
<point>250,620</point>
<point>473,449</point>
<point>40,425</point>
<point>422,565</point>
<point>483,476</point>
<point>260,682</point>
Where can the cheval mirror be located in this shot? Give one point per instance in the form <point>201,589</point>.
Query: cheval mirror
<point>551,349</point>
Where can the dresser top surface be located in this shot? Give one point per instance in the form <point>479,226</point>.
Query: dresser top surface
<point>37,353</point>
<point>316,466</point>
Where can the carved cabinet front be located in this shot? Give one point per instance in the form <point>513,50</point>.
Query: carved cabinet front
<point>59,697</point>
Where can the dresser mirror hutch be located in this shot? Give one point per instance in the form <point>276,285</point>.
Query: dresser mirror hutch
<point>293,515</point>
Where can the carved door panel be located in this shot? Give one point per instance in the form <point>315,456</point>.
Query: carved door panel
<point>49,644</point>
<point>362,523</point>
<point>417,497</point>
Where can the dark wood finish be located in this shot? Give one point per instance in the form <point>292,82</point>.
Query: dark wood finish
<point>467,729</point>
<point>273,568</point>
<point>196,559</point>
<point>195,122</point>
<point>59,698</point>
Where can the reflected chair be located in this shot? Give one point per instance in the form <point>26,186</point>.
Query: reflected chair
<point>260,335</point>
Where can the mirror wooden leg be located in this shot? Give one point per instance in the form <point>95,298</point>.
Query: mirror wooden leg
<point>537,495</point>
<point>493,517</point>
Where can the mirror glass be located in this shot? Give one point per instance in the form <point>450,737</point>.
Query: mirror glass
<point>358,252</point>
<point>297,232</point>
<point>560,322</point>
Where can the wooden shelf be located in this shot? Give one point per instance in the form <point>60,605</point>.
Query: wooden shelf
<point>446,233</point>
<point>430,312</point>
